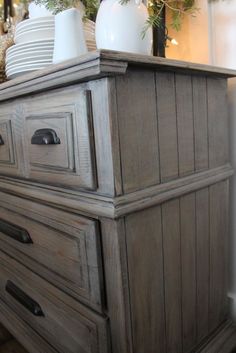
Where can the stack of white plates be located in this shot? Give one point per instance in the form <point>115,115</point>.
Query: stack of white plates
<point>35,29</point>
<point>27,57</point>
<point>34,46</point>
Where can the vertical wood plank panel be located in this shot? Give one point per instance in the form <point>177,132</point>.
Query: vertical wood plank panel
<point>218,253</point>
<point>166,111</point>
<point>218,122</point>
<point>145,263</point>
<point>200,122</point>
<point>137,117</point>
<point>188,259</point>
<point>172,275</point>
<point>117,289</point>
<point>184,107</point>
<point>202,239</point>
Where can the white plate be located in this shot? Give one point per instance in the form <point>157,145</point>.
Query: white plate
<point>33,21</point>
<point>27,53</point>
<point>29,65</point>
<point>21,73</point>
<point>29,59</point>
<point>34,27</point>
<point>33,44</point>
<point>45,33</point>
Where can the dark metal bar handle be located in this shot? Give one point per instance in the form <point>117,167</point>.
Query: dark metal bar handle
<point>45,137</point>
<point>15,232</point>
<point>23,298</point>
<point>1,141</point>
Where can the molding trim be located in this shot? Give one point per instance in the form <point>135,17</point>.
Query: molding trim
<point>97,64</point>
<point>95,205</point>
<point>87,67</point>
<point>223,340</point>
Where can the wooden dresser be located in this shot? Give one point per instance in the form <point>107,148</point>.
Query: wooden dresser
<point>114,173</point>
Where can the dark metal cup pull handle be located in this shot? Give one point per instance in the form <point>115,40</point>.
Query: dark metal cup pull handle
<point>15,232</point>
<point>23,298</point>
<point>45,137</point>
<point>1,141</point>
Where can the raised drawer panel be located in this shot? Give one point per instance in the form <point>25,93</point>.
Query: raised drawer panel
<point>65,324</point>
<point>64,249</point>
<point>58,139</point>
<point>58,157</point>
<point>8,155</point>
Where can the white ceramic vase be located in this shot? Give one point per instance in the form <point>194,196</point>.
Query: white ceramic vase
<point>69,36</point>
<point>38,10</point>
<point>119,27</point>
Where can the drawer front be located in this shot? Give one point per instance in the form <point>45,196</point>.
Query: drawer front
<point>63,248</point>
<point>65,324</point>
<point>8,156</point>
<point>58,139</point>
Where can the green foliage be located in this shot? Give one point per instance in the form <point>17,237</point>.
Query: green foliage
<point>56,6</point>
<point>178,9</point>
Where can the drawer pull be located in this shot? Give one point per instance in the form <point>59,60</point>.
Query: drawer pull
<point>24,299</point>
<point>45,137</point>
<point>1,141</point>
<point>15,232</point>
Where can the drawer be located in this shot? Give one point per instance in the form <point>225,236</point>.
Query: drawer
<point>61,247</point>
<point>8,157</point>
<point>64,323</point>
<point>58,139</point>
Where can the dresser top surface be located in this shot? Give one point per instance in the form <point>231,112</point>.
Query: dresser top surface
<point>100,63</point>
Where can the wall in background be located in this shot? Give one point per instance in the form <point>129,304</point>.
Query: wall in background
<point>194,41</point>
<point>210,38</point>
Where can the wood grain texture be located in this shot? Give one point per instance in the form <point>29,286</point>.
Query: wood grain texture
<point>25,334</point>
<point>99,64</point>
<point>145,264</point>
<point>136,103</point>
<point>136,263</point>
<point>4,335</point>
<point>202,262</point>
<point>188,265</point>
<point>101,112</point>
<point>12,347</point>
<point>167,126</point>
<point>117,284</point>
<point>63,325</point>
<point>95,205</point>
<point>200,114</point>
<point>218,122</point>
<point>172,275</point>
<point>70,163</point>
<point>185,124</point>
<point>222,340</point>
<point>65,251</point>
<point>218,253</point>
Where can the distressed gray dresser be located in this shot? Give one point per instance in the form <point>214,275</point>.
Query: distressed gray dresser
<point>114,177</point>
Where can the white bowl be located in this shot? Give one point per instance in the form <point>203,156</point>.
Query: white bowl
<point>39,34</point>
<point>36,11</point>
